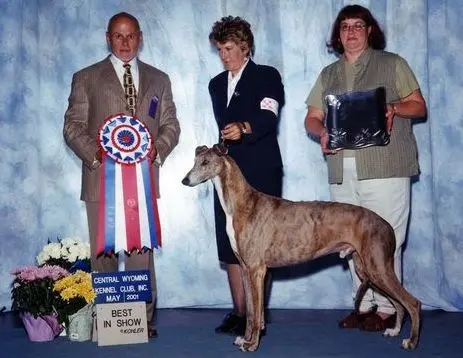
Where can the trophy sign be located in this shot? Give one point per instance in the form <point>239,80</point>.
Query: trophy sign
<point>356,120</point>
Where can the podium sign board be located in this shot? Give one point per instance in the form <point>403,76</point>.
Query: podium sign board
<point>123,286</point>
<point>121,323</point>
<point>120,306</point>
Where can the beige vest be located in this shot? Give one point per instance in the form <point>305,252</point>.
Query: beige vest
<point>399,157</point>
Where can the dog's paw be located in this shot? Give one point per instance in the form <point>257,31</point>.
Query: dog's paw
<point>244,345</point>
<point>391,332</point>
<point>408,344</point>
<point>239,341</point>
<point>250,347</point>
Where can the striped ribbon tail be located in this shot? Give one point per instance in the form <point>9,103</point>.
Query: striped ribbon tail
<point>128,214</point>
<point>153,239</point>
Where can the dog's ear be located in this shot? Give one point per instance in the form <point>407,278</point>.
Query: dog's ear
<point>200,149</point>
<point>220,149</point>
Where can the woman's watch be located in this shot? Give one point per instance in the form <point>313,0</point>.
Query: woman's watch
<point>243,129</point>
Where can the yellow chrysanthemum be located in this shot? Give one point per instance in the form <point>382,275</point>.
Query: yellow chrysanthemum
<point>78,284</point>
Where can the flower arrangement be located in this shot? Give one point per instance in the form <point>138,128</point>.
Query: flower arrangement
<point>69,253</point>
<point>32,289</point>
<point>74,293</point>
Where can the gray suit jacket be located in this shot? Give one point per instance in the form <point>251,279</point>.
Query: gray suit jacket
<point>97,94</point>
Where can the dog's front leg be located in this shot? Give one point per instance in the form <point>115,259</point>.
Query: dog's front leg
<point>254,289</point>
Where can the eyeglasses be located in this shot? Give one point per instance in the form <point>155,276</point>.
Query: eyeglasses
<point>121,38</point>
<point>357,27</point>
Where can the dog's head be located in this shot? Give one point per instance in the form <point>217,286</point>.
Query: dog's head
<point>208,164</point>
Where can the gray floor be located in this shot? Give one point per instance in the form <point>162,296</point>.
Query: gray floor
<point>292,333</point>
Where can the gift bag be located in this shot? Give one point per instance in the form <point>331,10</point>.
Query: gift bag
<point>81,324</point>
<point>41,328</point>
<point>356,120</point>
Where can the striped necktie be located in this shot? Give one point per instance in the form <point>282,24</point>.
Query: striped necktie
<point>129,88</point>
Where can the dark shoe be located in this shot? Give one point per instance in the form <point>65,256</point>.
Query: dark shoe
<point>355,319</point>
<point>152,332</point>
<point>240,329</point>
<point>232,324</point>
<point>267,316</point>
<point>390,321</point>
<point>375,323</point>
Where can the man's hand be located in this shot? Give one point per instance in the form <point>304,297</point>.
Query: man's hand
<point>153,153</point>
<point>232,131</point>
<point>99,154</point>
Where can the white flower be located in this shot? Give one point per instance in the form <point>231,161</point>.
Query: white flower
<point>72,258</point>
<point>64,252</point>
<point>73,251</point>
<point>54,250</point>
<point>69,241</point>
<point>42,257</point>
<point>69,249</point>
<point>84,251</point>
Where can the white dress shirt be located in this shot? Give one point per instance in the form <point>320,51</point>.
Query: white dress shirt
<point>233,81</point>
<point>120,70</point>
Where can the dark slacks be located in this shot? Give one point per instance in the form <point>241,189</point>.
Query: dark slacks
<point>267,181</point>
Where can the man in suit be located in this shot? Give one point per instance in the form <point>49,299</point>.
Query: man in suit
<point>247,99</point>
<point>98,93</point>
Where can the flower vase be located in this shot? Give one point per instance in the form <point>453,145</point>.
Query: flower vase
<point>41,328</point>
<point>81,324</point>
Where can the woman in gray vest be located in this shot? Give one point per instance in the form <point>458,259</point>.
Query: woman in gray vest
<point>376,177</point>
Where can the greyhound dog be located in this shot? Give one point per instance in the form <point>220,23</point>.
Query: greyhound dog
<point>267,231</point>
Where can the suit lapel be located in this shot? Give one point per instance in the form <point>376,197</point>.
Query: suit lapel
<point>144,83</point>
<point>109,77</point>
<point>219,94</point>
<point>242,85</point>
<point>222,92</point>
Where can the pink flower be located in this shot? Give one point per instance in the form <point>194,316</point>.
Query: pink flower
<point>31,273</point>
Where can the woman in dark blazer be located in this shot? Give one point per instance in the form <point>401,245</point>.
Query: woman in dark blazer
<point>247,99</point>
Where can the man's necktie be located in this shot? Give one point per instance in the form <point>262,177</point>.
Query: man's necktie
<point>129,87</point>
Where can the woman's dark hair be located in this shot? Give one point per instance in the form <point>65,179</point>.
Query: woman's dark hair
<point>376,38</point>
<point>233,29</point>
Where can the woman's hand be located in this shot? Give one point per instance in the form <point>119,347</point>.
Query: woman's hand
<point>315,127</point>
<point>232,131</point>
<point>324,138</point>
<point>390,113</point>
<point>411,106</point>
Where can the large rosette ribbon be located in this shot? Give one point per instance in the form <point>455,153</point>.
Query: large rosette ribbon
<point>128,213</point>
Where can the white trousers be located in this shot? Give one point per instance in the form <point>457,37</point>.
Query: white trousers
<point>390,199</point>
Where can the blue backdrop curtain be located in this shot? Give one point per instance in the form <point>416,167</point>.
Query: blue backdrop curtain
<point>43,42</point>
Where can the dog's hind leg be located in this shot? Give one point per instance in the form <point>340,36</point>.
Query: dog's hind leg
<point>400,312</point>
<point>386,281</point>
<point>254,290</point>
<point>365,283</point>
<point>360,293</point>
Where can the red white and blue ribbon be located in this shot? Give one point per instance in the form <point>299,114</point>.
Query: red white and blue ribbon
<point>128,214</point>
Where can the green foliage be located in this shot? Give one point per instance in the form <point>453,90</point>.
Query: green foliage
<point>36,297</point>
<point>68,308</point>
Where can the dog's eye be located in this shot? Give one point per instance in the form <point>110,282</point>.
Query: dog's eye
<point>205,162</point>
